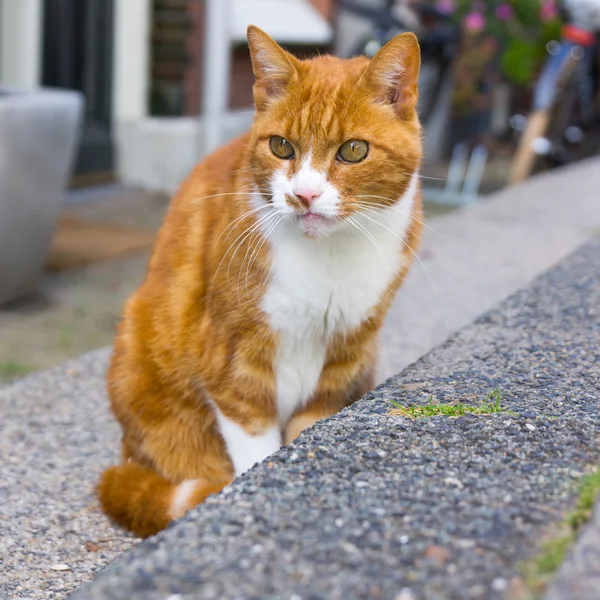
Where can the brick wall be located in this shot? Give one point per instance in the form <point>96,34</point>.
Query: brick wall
<point>177,56</point>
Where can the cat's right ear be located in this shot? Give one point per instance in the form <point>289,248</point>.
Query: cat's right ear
<point>273,67</point>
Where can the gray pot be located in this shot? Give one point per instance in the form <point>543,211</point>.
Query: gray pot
<point>39,131</point>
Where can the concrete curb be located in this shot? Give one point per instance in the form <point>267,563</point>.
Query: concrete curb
<point>367,505</point>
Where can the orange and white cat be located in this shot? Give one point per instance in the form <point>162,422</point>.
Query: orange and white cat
<point>270,279</point>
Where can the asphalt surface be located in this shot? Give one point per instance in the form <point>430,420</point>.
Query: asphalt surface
<point>368,505</point>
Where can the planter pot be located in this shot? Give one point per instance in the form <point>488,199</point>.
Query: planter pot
<point>39,132</point>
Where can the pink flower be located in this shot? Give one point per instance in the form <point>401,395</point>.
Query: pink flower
<point>474,22</point>
<point>505,12</point>
<point>548,11</point>
<point>446,7</point>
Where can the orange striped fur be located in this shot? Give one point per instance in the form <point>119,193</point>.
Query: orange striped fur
<point>241,335</point>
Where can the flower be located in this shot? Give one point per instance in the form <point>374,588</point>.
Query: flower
<point>474,22</point>
<point>446,7</point>
<point>548,11</point>
<point>505,12</point>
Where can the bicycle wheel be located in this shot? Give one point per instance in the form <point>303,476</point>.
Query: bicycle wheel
<point>566,131</point>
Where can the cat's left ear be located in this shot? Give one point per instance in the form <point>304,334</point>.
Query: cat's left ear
<point>393,74</point>
<point>273,67</point>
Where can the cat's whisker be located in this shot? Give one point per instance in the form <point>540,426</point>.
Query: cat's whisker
<point>380,212</point>
<point>284,217</point>
<point>240,218</point>
<point>254,295</point>
<point>368,235</point>
<point>380,208</point>
<point>240,193</point>
<point>247,231</point>
<point>246,234</point>
<point>432,178</point>
<point>261,222</point>
<point>426,177</point>
<point>255,254</point>
<point>249,192</point>
<point>433,285</point>
<point>251,246</point>
<point>252,243</point>
<point>394,204</point>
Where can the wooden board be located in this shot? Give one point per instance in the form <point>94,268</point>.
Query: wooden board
<point>78,242</point>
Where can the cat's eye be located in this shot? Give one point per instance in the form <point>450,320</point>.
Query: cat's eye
<point>281,148</point>
<point>353,151</point>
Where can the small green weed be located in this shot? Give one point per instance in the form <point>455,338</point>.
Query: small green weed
<point>540,569</point>
<point>12,370</point>
<point>434,409</point>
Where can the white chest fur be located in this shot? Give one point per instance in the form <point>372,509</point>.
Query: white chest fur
<point>324,286</point>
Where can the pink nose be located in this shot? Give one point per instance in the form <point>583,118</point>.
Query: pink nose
<point>307,196</point>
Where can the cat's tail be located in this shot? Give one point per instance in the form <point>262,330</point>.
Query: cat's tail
<point>141,500</point>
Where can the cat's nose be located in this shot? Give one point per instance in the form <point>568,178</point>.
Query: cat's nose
<point>307,196</point>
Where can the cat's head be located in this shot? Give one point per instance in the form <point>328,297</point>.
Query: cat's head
<point>332,138</point>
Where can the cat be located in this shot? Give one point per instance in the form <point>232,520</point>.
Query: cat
<point>269,280</point>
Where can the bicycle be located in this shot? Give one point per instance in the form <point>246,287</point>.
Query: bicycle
<point>564,125</point>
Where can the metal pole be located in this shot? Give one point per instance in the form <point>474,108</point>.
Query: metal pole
<point>217,63</point>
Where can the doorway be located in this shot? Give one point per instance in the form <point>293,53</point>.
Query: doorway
<point>77,55</point>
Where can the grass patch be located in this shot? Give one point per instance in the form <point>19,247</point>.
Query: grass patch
<point>490,406</point>
<point>539,570</point>
<point>10,369</point>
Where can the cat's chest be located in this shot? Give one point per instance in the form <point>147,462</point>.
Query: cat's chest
<point>312,295</point>
<point>318,290</point>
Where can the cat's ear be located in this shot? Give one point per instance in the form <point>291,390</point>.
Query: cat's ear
<point>393,75</point>
<point>273,67</point>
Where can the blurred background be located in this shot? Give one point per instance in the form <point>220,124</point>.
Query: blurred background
<point>106,105</point>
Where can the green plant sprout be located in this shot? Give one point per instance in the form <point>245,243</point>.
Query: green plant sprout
<point>541,568</point>
<point>435,409</point>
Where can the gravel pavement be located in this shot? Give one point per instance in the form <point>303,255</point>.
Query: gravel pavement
<point>56,435</point>
<point>368,505</point>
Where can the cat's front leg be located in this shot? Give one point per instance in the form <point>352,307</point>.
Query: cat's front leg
<point>249,444</point>
<point>303,420</point>
<point>326,403</point>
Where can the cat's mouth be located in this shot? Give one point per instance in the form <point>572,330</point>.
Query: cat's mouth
<point>313,217</point>
<point>313,224</point>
